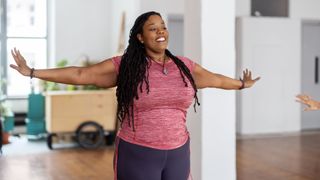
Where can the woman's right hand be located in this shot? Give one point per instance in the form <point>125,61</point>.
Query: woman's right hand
<point>21,64</point>
<point>308,101</point>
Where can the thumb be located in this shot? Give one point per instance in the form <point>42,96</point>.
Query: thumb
<point>14,66</point>
<point>257,79</point>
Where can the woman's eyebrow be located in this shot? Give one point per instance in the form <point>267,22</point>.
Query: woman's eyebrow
<point>150,24</point>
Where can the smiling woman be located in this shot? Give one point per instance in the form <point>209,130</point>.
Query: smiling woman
<point>155,36</point>
<point>154,90</point>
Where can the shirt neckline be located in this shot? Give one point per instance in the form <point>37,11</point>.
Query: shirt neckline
<point>160,63</point>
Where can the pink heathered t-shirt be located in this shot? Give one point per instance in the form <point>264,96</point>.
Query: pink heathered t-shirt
<point>160,115</point>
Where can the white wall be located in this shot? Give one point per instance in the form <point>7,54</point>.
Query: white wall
<point>218,43</point>
<point>80,28</point>
<point>243,7</point>
<point>302,9</point>
<point>193,50</point>
<point>164,7</point>
<point>209,39</point>
<point>131,9</point>
<point>271,47</point>
<point>305,9</point>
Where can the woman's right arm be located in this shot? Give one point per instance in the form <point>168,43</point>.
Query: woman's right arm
<point>102,74</point>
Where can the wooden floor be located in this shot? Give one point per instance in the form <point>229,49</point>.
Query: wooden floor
<point>281,158</point>
<point>72,164</point>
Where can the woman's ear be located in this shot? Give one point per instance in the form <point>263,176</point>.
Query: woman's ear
<point>140,38</point>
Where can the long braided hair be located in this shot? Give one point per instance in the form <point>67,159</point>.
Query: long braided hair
<point>133,72</point>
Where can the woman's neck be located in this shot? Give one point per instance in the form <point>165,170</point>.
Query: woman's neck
<point>160,57</point>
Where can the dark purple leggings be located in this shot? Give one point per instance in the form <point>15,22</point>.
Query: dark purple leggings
<point>136,162</point>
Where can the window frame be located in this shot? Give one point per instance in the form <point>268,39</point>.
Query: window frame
<point>3,46</point>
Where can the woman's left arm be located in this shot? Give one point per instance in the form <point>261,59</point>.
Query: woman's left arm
<point>204,79</point>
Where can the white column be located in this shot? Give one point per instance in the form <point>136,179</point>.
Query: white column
<point>210,40</point>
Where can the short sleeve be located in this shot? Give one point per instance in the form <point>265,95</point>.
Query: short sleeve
<point>188,62</point>
<point>116,62</point>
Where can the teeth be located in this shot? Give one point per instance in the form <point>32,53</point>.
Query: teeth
<point>161,39</point>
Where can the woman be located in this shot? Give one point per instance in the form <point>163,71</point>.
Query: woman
<point>154,90</point>
<point>308,101</point>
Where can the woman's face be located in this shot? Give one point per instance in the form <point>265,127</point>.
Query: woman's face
<point>154,35</point>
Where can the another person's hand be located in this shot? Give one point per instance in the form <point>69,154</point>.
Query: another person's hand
<point>21,64</point>
<point>308,101</point>
<point>247,79</point>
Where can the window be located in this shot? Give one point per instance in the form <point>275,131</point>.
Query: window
<point>24,25</point>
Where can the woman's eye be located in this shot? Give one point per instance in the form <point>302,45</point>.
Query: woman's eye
<point>153,29</point>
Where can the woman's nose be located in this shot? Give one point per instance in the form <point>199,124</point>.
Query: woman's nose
<point>161,31</point>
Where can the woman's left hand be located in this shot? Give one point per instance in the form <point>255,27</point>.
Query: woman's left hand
<point>247,79</point>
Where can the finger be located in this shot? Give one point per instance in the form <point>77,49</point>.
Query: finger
<point>12,53</point>
<point>14,66</point>
<point>307,109</point>
<point>20,56</point>
<point>15,51</point>
<point>245,74</point>
<point>299,101</point>
<point>305,98</point>
<point>301,96</point>
<point>308,97</point>
<point>302,100</point>
<point>257,79</point>
<point>15,58</point>
<point>249,74</point>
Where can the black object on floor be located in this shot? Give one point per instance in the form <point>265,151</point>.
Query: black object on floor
<point>19,119</point>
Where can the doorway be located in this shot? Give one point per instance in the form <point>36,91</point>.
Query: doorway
<point>310,64</point>
<point>176,29</point>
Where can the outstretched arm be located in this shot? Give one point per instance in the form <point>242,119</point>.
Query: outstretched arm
<point>102,74</point>
<point>308,101</point>
<point>204,78</point>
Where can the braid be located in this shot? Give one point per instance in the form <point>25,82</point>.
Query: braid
<point>184,71</point>
<point>133,73</point>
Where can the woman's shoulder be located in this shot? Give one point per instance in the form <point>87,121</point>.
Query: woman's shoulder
<point>187,61</point>
<point>116,60</point>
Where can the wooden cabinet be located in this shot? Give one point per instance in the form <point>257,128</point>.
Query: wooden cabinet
<point>66,110</point>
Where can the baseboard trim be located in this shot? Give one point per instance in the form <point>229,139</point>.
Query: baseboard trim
<point>277,135</point>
